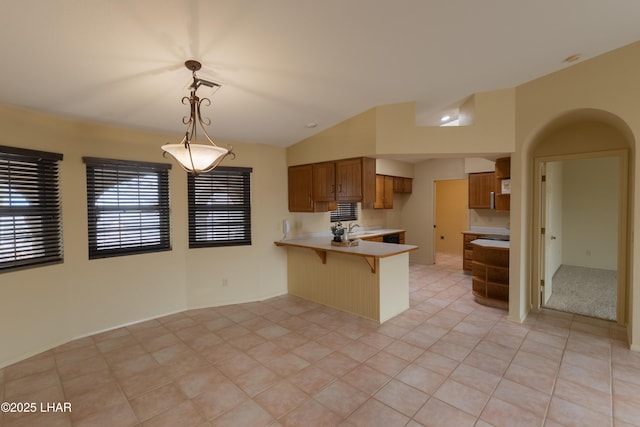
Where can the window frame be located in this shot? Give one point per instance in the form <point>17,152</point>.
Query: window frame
<point>347,211</point>
<point>240,180</point>
<point>44,217</point>
<point>117,172</point>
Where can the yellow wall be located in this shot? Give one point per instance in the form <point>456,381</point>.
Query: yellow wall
<point>47,306</point>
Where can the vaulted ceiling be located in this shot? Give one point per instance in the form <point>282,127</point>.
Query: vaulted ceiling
<point>285,64</point>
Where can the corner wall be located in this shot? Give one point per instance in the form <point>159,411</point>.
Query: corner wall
<point>604,84</point>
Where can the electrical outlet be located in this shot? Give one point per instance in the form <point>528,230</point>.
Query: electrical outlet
<point>225,282</point>
<point>588,252</point>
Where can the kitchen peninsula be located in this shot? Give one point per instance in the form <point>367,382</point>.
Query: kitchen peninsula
<point>369,279</point>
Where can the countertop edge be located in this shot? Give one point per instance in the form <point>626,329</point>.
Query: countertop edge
<point>496,244</point>
<point>363,249</point>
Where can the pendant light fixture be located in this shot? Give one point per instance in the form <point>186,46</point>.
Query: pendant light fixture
<point>193,157</point>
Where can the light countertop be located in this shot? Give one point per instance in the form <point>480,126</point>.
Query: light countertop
<point>364,248</point>
<point>489,230</point>
<point>491,243</point>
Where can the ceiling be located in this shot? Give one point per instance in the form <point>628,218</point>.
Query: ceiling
<point>284,64</point>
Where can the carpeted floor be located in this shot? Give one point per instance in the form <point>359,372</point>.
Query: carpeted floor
<point>588,291</point>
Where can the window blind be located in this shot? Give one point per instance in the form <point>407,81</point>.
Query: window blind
<point>127,207</point>
<point>30,226</point>
<point>345,212</point>
<point>220,207</point>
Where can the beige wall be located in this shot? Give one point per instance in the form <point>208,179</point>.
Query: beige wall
<point>352,138</point>
<point>604,87</point>
<point>47,306</point>
<point>512,121</point>
<point>417,215</point>
<point>590,212</point>
<point>394,168</point>
<point>492,131</point>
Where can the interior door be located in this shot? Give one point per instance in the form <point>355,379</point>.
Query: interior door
<point>580,213</point>
<point>552,188</point>
<point>451,215</point>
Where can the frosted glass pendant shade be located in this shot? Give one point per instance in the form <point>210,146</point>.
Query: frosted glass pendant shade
<point>197,158</point>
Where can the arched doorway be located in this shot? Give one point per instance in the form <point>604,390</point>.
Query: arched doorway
<point>586,138</point>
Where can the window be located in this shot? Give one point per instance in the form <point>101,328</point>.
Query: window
<point>127,207</point>
<point>220,207</point>
<point>30,229</point>
<point>345,212</point>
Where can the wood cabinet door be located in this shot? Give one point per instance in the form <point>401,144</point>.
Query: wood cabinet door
<point>407,185</point>
<point>349,180</point>
<point>379,203</point>
<point>300,179</point>
<point>388,192</point>
<point>324,182</point>
<point>481,185</point>
<point>398,184</point>
<point>402,185</point>
<point>384,192</point>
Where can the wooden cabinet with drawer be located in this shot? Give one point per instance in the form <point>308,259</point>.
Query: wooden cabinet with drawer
<point>467,256</point>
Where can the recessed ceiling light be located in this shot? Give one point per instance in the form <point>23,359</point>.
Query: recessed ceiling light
<point>445,118</point>
<point>572,58</point>
<point>311,125</point>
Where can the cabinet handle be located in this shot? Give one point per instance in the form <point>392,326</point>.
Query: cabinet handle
<point>492,200</point>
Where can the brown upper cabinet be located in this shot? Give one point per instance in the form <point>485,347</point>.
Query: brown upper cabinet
<point>322,185</point>
<point>384,192</point>
<point>402,185</point>
<point>503,168</point>
<point>349,177</point>
<point>481,185</point>
<point>300,187</point>
<point>324,181</point>
<point>503,184</point>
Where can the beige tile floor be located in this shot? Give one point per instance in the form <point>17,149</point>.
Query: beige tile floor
<point>447,361</point>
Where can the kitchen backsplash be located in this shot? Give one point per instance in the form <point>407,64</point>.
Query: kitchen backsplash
<point>488,218</point>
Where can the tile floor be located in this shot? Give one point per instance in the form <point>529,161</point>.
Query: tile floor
<point>447,361</point>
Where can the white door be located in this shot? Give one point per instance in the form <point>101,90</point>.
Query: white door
<point>552,190</point>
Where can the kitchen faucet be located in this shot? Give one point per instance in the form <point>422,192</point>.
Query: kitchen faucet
<point>352,226</point>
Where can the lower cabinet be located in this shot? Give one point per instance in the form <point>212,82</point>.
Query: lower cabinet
<point>490,275</point>
<point>467,250</point>
<point>396,238</point>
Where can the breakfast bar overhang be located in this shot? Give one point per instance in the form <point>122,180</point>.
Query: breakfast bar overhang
<point>370,279</point>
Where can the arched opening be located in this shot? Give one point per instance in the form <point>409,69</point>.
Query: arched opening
<point>580,213</point>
